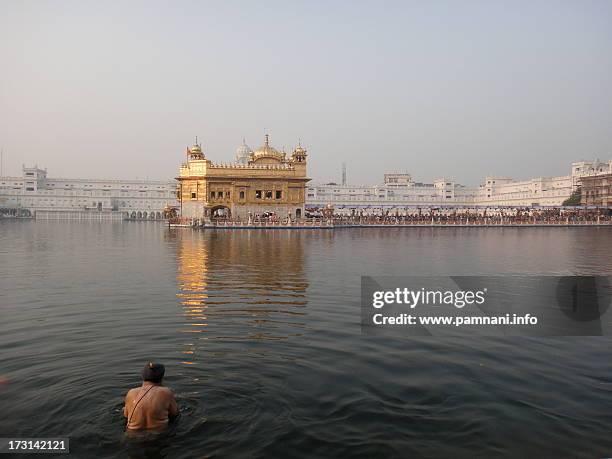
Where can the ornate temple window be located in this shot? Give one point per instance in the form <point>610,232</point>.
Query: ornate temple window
<point>258,194</point>
<point>279,194</point>
<point>268,194</point>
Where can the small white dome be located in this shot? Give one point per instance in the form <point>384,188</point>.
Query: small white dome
<point>242,153</point>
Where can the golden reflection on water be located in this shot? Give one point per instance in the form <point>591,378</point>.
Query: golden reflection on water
<point>239,285</point>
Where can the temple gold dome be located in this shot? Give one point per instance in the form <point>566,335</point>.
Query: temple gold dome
<point>267,151</point>
<point>195,149</point>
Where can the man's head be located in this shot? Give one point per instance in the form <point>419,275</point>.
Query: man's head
<point>153,372</point>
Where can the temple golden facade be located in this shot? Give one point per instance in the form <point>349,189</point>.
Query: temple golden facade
<point>268,182</point>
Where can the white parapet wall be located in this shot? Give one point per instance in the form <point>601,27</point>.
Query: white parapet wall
<point>82,215</point>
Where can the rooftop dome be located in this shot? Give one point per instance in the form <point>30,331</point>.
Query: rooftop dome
<point>195,151</point>
<point>267,151</point>
<point>242,153</point>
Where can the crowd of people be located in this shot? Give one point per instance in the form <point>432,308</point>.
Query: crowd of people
<point>488,216</point>
<point>479,216</point>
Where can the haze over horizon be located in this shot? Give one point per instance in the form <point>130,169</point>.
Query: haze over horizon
<point>459,89</point>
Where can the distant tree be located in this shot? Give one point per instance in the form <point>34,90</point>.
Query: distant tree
<point>574,199</point>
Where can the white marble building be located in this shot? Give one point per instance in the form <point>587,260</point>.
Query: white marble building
<point>145,199</point>
<point>35,192</point>
<point>400,192</point>
<point>542,191</point>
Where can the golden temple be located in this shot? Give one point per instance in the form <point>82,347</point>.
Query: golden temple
<point>266,182</point>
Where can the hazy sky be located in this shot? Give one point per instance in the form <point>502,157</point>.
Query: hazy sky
<point>457,88</point>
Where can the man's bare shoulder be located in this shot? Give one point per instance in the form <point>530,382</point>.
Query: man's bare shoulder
<point>132,392</point>
<point>167,391</point>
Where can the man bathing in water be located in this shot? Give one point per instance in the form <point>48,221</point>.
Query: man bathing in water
<point>151,405</point>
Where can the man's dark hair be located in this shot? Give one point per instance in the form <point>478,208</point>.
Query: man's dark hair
<point>153,372</point>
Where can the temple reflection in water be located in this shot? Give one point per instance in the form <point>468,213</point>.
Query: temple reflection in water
<point>236,286</point>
